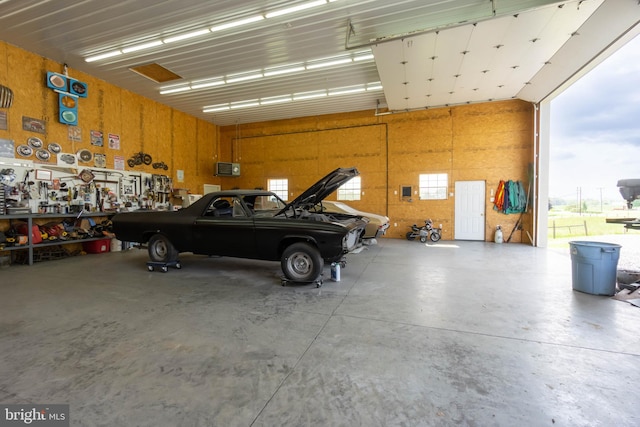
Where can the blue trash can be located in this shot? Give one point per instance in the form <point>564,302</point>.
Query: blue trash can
<point>594,267</point>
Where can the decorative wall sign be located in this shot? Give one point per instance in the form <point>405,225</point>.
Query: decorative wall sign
<point>7,148</point>
<point>75,134</point>
<point>97,138</point>
<point>33,125</point>
<point>118,163</point>
<point>67,160</point>
<point>69,90</point>
<point>114,141</point>
<point>6,97</point>
<point>100,160</point>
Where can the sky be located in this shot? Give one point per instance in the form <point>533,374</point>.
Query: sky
<point>595,129</point>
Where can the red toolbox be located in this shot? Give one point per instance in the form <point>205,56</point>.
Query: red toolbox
<point>97,246</point>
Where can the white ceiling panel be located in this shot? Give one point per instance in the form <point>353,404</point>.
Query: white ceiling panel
<point>478,61</point>
<point>429,36</point>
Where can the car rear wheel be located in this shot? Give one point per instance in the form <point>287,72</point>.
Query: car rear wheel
<point>161,249</point>
<point>301,262</point>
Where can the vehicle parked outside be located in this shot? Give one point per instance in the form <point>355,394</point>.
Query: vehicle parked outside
<point>253,224</point>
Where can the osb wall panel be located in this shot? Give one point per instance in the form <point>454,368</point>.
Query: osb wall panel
<point>179,140</point>
<point>304,157</point>
<point>486,142</point>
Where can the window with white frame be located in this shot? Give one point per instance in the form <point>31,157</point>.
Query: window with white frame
<point>433,186</point>
<point>350,190</point>
<point>280,187</point>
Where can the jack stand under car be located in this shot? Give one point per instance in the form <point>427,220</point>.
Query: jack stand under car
<point>163,266</point>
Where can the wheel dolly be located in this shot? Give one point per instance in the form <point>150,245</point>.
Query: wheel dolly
<point>163,266</point>
<point>317,281</point>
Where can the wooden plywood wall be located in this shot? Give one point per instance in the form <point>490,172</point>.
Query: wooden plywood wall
<point>175,138</point>
<point>487,142</point>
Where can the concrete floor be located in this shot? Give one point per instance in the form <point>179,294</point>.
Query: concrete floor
<point>453,333</point>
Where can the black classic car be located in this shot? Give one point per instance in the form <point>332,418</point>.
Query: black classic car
<point>254,224</point>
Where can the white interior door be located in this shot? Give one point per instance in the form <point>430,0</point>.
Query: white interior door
<point>469,210</point>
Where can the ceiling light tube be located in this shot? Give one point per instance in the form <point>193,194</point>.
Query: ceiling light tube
<point>328,63</point>
<point>241,78</point>
<point>363,57</point>
<point>346,90</point>
<point>186,36</point>
<point>309,95</point>
<point>236,23</point>
<point>268,72</point>
<point>374,86</point>
<point>295,8</point>
<point>102,56</point>
<point>174,90</point>
<point>142,46</point>
<point>244,104</point>
<point>214,108</point>
<point>207,84</point>
<point>275,100</point>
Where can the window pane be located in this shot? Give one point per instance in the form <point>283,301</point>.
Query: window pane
<point>433,186</point>
<point>280,187</point>
<point>350,190</point>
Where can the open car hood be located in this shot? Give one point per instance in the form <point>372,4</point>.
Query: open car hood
<point>321,189</point>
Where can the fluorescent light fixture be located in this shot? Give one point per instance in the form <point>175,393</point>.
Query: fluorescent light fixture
<point>346,90</point>
<point>214,108</point>
<point>309,95</point>
<point>362,56</point>
<point>234,78</point>
<point>103,56</point>
<point>289,98</point>
<point>244,104</point>
<point>295,8</point>
<point>174,90</point>
<point>329,63</point>
<point>203,84</point>
<point>236,23</point>
<point>186,36</point>
<point>142,46</point>
<point>268,72</point>
<point>275,100</point>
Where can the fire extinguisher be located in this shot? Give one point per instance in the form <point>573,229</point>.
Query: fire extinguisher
<point>498,236</point>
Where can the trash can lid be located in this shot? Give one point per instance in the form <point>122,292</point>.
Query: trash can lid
<point>596,244</point>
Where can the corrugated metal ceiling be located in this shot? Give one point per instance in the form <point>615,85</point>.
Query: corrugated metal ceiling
<point>70,31</point>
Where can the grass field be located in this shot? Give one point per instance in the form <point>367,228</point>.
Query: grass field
<point>570,226</point>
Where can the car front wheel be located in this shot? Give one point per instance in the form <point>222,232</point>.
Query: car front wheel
<point>161,249</point>
<point>301,262</point>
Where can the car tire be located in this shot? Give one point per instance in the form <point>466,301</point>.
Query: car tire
<point>301,262</point>
<point>161,249</point>
<point>435,236</point>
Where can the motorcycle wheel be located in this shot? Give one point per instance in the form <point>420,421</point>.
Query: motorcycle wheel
<point>435,236</point>
<point>410,236</point>
<point>131,163</point>
<point>423,239</point>
<point>146,158</point>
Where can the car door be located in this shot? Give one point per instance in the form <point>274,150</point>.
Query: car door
<point>226,228</point>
